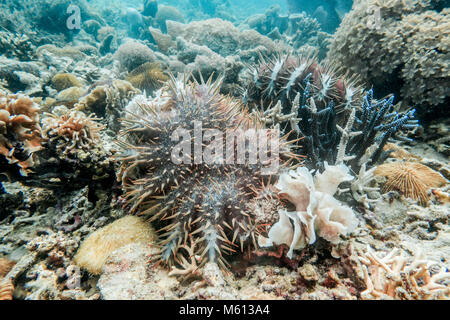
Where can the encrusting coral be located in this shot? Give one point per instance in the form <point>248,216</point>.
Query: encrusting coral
<point>316,210</point>
<point>412,179</point>
<point>99,245</point>
<point>181,194</point>
<point>393,277</point>
<point>20,133</point>
<point>147,77</point>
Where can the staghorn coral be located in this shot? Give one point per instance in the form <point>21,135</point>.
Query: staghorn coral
<point>95,249</point>
<point>20,133</point>
<point>393,277</point>
<point>63,81</point>
<point>335,120</point>
<point>316,210</point>
<point>207,200</point>
<point>405,49</point>
<point>412,179</point>
<point>147,77</point>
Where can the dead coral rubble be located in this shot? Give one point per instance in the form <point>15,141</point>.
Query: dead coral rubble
<point>394,277</point>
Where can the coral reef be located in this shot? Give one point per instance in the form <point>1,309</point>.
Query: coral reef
<point>400,51</point>
<point>296,29</point>
<point>207,200</point>
<point>107,99</point>
<point>71,156</point>
<point>334,119</point>
<point>95,250</point>
<point>411,179</point>
<point>224,38</point>
<point>166,13</point>
<point>328,12</point>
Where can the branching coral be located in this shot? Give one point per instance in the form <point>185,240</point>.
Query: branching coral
<point>392,277</point>
<point>182,194</point>
<point>316,210</point>
<point>335,120</point>
<point>412,179</point>
<point>20,133</point>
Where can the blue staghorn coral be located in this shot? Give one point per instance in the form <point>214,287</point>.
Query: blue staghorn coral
<point>335,118</point>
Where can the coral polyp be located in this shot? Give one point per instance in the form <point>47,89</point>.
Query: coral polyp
<point>206,200</point>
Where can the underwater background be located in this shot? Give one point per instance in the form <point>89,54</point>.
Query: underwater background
<point>98,98</point>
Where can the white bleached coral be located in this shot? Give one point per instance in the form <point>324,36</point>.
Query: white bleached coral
<point>317,213</point>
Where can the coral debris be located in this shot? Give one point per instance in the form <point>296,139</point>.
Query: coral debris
<point>392,277</point>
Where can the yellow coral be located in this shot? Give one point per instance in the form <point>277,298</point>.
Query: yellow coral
<point>98,246</point>
<point>411,179</point>
<point>148,77</point>
<point>63,81</point>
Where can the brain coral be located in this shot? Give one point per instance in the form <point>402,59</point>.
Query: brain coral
<point>205,200</point>
<point>406,50</point>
